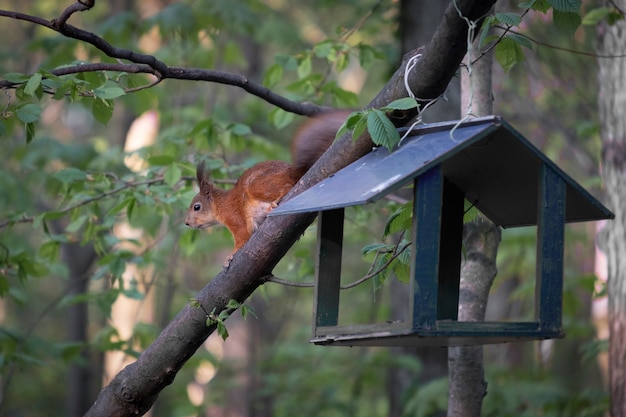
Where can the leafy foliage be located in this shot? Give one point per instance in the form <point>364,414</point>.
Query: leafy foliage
<point>66,188</point>
<point>380,128</point>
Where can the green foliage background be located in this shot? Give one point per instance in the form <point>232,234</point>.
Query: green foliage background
<point>64,185</point>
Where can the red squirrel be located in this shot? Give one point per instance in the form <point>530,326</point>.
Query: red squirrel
<point>259,189</point>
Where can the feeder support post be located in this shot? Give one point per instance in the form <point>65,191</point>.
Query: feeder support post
<point>550,242</point>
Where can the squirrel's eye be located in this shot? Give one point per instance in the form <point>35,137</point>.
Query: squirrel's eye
<point>197,207</point>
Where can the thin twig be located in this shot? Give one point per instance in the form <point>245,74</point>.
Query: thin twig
<point>560,48</point>
<point>371,274</point>
<point>126,185</point>
<point>506,29</point>
<point>377,271</point>
<point>617,8</point>
<point>288,283</point>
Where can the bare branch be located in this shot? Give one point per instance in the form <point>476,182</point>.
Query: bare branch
<point>67,13</point>
<point>151,65</point>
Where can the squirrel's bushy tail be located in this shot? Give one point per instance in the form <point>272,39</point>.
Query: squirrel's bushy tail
<point>313,138</point>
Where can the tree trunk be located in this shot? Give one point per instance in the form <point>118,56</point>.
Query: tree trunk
<point>612,106</point>
<point>79,376</point>
<point>481,238</point>
<point>418,22</point>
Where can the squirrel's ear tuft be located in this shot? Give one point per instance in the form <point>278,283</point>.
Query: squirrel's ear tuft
<point>204,180</point>
<point>200,172</point>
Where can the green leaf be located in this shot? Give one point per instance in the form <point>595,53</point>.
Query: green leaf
<point>161,160</point>
<point>222,330</point>
<point>93,80</point>
<point>342,62</point>
<point>401,270</point>
<point>52,215</point>
<point>344,98</point>
<point>273,75</point>
<point>30,132</point>
<point>306,85</point>
<point>382,131</point>
<point>400,220</point>
<point>32,268</point>
<point>34,82</point>
<point>29,113</point>
<point>194,303</point>
<point>323,49</point>
<point>541,6</point>
<point>172,175</point>
<point>102,110</point>
<point>375,247</point>
<point>109,91</point>
<point>4,285</point>
<point>304,67</point>
<point>247,310</point>
<point>510,19</point>
<point>566,22</point>
<point>367,55</point>
<point>508,53</point>
<point>70,175</point>
<point>16,77</point>
<point>72,350</point>
<point>470,212</point>
<point>280,118</point>
<point>131,208</point>
<point>360,127</point>
<point>595,16</point>
<point>522,40</point>
<point>76,225</point>
<point>133,292</point>
<point>380,278</point>
<point>405,103</point>
<point>240,129</point>
<point>206,127</point>
<point>288,62</point>
<point>49,251</point>
<point>614,17</point>
<point>571,6</point>
<point>120,206</point>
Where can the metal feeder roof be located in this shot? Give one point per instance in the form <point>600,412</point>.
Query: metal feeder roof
<point>494,165</point>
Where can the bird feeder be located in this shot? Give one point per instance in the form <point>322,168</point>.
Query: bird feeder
<point>484,161</point>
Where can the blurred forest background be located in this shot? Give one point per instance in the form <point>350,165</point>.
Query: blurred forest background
<point>95,258</point>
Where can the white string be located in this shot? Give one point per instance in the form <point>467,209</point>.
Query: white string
<point>471,28</point>
<point>407,70</point>
<point>420,110</point>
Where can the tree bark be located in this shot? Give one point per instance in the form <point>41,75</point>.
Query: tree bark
<point>481,238</point>
<point>133,391</point>
<point>80,377</point>
<point>418,22</point>
<point>612,107</point>
<point>467,386</point>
